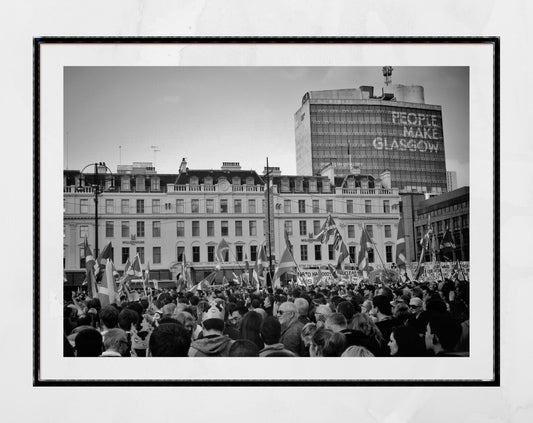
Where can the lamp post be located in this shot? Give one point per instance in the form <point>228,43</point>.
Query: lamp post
<point>97,189</point>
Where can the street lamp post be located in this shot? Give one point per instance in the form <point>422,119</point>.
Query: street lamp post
<point>98,189</point>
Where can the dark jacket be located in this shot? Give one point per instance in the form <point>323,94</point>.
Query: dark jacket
<point>265,352</point>
<point>291,338</point>
<point>211,346</point>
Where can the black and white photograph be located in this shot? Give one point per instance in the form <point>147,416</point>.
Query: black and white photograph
<point>219,214</point>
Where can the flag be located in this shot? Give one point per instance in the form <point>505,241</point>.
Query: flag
<point>333,271</point>
<point>287,240</point>
<point>286,264</point>
<point>90,278</point>
<point>337,239</point>
<point>221,249</point>
<point>146,280</point>
<point>135,269</point>
<point>328,229</point>
<point>344,253</point>
<point>106,291</point>
<point>400,246</point>
<point>236,279</point>
<point>366,244</point>
<point>204,284</point>
<point>101,261</point>
<point>260,264</point>
<point>447,245</point>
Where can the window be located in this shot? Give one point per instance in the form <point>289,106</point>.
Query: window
<point>125,229</point>
<point>301,206</point>
<point>351,231</point>
<point>387,231</point>
<point>368,206</point>
<point>195,228</point>
<point>210,228</point>
<point>386,206</point>
<point>180,206</point>
<point>351,249</point>
<point>316,227</point>
<point>125,183</point>
<point>195,206</point>
<point>331,252</point>
<point>140,251</point>
<point>237,206</point>
<point>303,252</point>
<point>180,228</point>
<point>210,253</point>
<point>140,229</point>
<point>253,228</point>
<point>238,252</point>
<point>370,230</point>
<point>84,231</point>
<point>109,229</point>
<point>223,206</point>
<point>329,206</point>
<point>318,252</point>
<point>155,184</point>
<point>371,255</point>
<point>316,206</point>
<point>224,229</point>
<point>84,206</point>
<point>156,255</point>
<point>288,226</point>
<point>125,254</point>
<point>303,227</point>
<point>388,253</point>
<point>349,206</point>
<point>156,229</point>
<point>209,205</point>
<point>251,206</point>
<point>196,254</point>
<point>286,206</point>
<point>140,206</point>
<point>156,206</point>
<point>180,251</point>
<point>238,228</point>
<point>124,206</point>
<point>109,206</point>
<point>82,257</point>
<point>253,252</point>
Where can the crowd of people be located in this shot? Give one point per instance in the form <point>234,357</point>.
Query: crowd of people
<point>412,319</point>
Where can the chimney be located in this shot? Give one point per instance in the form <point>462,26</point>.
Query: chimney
<point>385,179</point>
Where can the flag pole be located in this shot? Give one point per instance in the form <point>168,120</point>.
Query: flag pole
<point>268,221</point>
<point>375,247</point>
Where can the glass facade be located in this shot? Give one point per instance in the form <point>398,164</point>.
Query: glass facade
<point>406,140</point>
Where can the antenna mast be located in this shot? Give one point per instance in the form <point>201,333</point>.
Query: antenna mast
<point>387,73</point>
<point>155,149</point>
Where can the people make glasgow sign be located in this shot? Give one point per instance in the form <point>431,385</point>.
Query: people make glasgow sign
<point>421,132</point>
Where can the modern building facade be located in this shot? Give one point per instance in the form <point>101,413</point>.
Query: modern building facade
<point>162,217</point>
<point>451,180</point>
<point>395,131</point>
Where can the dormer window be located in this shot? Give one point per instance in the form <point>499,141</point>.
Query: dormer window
<point>236,180</point>
<point>249,180</point>
<point>155,183</point>
<point>208,180</point>
<point>193,181</point>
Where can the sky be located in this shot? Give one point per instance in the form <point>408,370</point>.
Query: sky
<point>211,115</point>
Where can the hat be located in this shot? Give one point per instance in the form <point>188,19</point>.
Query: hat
<point>215,311</point>
<point>415,301</point>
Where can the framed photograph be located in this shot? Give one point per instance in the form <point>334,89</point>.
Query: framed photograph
<point>205,176</point>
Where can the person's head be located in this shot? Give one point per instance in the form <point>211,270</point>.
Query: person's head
<point>287,313</point>
<point>88,343</point>
<point>243,348</point>
<point>307,333</point>
<point>187,320</point>
<point>326,343</point>
<point>382,306</point>
<point>169,340</point>
<point>401,312</point>
<point>347,309</point>
<point>127,318</point>
<point>386,292</point>
<point>270,330</point>
<point>404,341</point>
<point>356,351</point>
<point>362,322</point>
<point>321,312</point>
<point>251,326</point>
<point>367,306</point>
<point>416,306</point>
<point>116,340</point>
<point>168,309</point>
<point>213,319</point>
<point>442,332</point>
<point>235,316</point>
<point>302,306</point>
<point>109,317</point>
<point>336,322</point>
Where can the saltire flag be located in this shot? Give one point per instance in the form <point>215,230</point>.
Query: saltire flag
<point>106,291</point>
<point>101,261</point>
<point>447,245</point>
<point>344,253</point>
<point>236,279</point>
<point>221,250</point>
<point>400,246</point>
<point>286,265</point>
<point>287,240</point>
<point>90,278</point>
<point>328,229</point>
<point>366,244</point>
